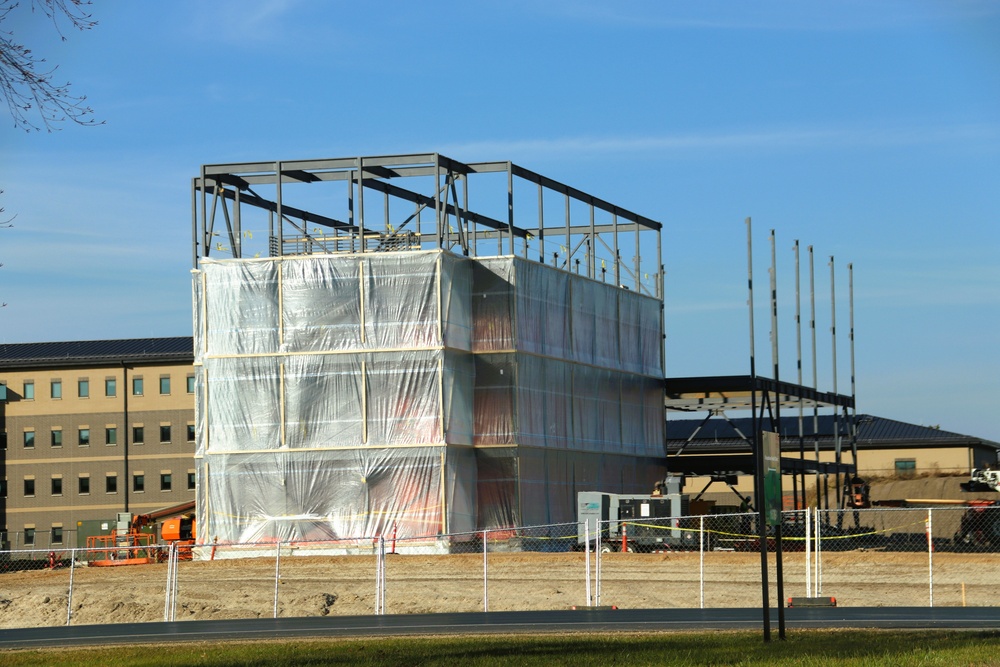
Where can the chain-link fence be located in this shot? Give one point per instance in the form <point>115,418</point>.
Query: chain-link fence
<point>943,556</point>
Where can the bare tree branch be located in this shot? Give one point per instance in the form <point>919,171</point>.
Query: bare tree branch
<point>28,82</point>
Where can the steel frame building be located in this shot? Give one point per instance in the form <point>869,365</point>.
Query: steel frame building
<point>517,314</point>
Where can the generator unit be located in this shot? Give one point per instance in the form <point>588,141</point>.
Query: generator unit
<point>639,522</point>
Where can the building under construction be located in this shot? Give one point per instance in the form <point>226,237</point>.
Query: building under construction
<point>413,344</point>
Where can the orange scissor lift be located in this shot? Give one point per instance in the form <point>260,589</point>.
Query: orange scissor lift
<point>129,545</point>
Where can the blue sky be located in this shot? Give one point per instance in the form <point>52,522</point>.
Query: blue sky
<point>870,131</point>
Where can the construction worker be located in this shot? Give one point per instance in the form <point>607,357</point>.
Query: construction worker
<point>857,497</point>
<point>745,519</point>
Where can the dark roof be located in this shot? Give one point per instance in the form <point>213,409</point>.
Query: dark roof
<point>99,352</point>
<point>720,434</point>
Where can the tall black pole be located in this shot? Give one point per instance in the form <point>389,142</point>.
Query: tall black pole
<point>798,368</point>
<point>836,412</point>
<point>815,375</point>
<point>854,399</point>
<point>779,571</point>
<point>758,482</point>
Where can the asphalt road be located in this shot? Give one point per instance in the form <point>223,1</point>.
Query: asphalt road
<point>565,621</point>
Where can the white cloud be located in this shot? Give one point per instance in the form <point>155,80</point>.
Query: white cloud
<point>791,138</point>
<point>787,15</point>
<point>242,21</point>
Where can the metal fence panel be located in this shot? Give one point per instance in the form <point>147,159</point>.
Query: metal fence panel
<point>941,556</point>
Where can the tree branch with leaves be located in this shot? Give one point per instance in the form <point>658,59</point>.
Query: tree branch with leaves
<point>34,96</point>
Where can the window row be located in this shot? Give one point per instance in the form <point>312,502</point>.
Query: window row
<point>110,387</point>
<point>83,435</point>
<point>55,535</point>
<point>110,484</point>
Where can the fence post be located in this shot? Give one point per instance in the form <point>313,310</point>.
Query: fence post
<point>381,554</point>
<point>597,562</point>
<point>69,598</point>
<point>169,585</point>
<point>701,561</point>
<point>486,591</point>
<point>819,555</point>
<point>808,553</point>
<point>930,554</point>
<point>586,560</point>
<point>173,591</point>
<point>277,574</point>
<point>378,576</point>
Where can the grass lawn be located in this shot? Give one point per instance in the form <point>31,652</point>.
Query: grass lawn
<point>842,647</point>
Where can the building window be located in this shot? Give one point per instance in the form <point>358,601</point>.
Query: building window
<point>190,384</point>
<point>190,481</point>
<point>57,535</point>
<point>138,483</point>
<point>57,486</point>
<point>190,432</point>
<point>165,385</point>
<point>137,386</point>
<point>57,437</point>
<point>165,481</point>
<point>56,389</point>
<point>110,387</point>
<point>29,390</point>
<point>83,388</point>
<point>111,436</point>
<point>29,439</point>
<point>83,437</point>
<point>3,440</point>
<point>29,488</point>
<point>83,486</point>
<point>906,467</point>
<point>138,435</point>
<point>29,537</point>
<point>111,483</point>
<point>165,433</point>
<point>3,488</point>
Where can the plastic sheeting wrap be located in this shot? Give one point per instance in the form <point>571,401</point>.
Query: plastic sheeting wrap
<point>523,486</point>
<point>344,494</point>
<point>420,393</point>
<point>522,305</point>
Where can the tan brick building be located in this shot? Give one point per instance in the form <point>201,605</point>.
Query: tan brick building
<point>90,429</point>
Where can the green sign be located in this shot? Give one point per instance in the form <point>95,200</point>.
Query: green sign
<point>771,450</point>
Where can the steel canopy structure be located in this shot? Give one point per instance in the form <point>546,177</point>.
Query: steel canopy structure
<point>718,394</point>
<point>734,392</point>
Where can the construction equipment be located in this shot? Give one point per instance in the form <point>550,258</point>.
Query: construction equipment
<point>127,544</point>
<point>133,540</point>
<point>982,481</point>
<point>979,527</point>
<point>180,530</point>
<point>617,522</point>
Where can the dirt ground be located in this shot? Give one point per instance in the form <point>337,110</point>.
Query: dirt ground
<point>345,585</point>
